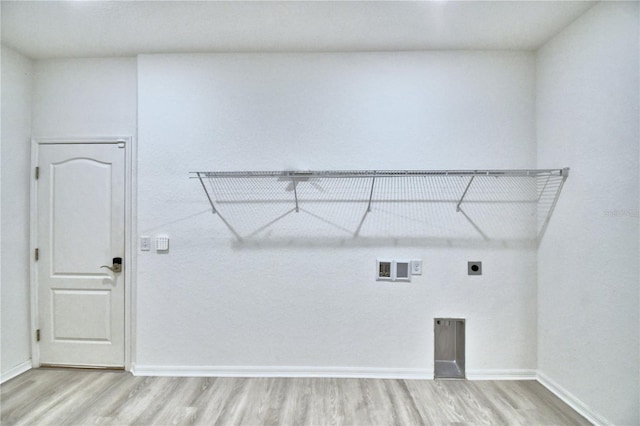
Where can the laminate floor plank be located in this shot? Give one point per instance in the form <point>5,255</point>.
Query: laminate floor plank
<point>81,397</point>
<point>98,405</point>
<point>472,403</point>
<point>125,406</point>
<point>556,409</point>
<point>209,405</point>
<point>504,410</point>
<point>334,404</point>
<point>434,402</point>
<point>67,405</point>
<point>374,402</point>
<point>403,407</point>
<point>295,405</point>
<point>255,402</point>
<point>158,395</point>
<point>29,384</point>
<point>180,407</point>
<point>278,389</point>
<point>349,402</point>
<point>235,403</point>
<point>42,403</point>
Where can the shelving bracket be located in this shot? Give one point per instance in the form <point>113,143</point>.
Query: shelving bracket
<point>464,193</point>
<point>213,207</point>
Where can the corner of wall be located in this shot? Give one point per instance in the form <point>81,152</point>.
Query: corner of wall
<point>16,87</point>
<point>588,260</point>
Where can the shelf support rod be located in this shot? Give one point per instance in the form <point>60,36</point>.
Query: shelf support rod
<point>373,183</point>
<point>544,187</point>
<point>213,208</point>
<point>295,192</point>
<point>364,216</point>
<point>565,175</point>
<point>464,193</point>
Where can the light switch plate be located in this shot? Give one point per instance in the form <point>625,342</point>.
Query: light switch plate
<point>162,242</point>
<point>145,243</point>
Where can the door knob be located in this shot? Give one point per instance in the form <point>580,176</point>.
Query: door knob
<point>117,265</point>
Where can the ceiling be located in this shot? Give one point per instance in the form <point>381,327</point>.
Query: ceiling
<point>51,29</point>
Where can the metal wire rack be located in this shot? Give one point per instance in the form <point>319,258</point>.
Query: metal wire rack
<point>538,189</point>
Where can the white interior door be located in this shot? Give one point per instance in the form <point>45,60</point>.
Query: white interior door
<point>81,207</point>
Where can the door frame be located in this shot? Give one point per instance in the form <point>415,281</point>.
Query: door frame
<point>130,232</point>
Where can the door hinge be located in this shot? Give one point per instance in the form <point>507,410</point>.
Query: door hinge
<point>37,254</point>
<point>37,173</point>
<point>37,335</point>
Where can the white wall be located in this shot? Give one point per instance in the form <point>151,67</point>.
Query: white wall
<point>16,132</point>
<point>84,97</point>
<point>587,108</point>
<point>302,293</point>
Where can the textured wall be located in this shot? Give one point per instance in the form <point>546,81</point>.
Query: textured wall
<point>301,291</point>
<point>587,108</point>
<point>84,97</point>
<point>17,73</point>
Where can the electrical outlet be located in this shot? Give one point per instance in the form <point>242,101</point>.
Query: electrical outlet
<point>416,267</point>
<point>474,268</point>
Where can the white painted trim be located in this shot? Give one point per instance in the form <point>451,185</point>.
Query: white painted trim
<point>131,250</point>
<point>332,372</point>
<point>571,400</point>
<point>33,243</point>
<point>284,371</point>
<point>79,139</point>
<point>129,243</point>
<point>16,371</point>
<point>508,374</point>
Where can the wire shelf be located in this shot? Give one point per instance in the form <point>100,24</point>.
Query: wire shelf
<point>531,192</point>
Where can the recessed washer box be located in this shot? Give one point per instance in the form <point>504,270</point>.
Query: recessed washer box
<point>449,359</point>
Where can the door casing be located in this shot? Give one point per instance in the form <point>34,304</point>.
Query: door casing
<point>130,231</point>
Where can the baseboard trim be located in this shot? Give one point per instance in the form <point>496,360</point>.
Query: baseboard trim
<point>331,372</point>
<point>508,374</point>
<point>268,371</point>
<point>573,402</point>
<point>16,371</point>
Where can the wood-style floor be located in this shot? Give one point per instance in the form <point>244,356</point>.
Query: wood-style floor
<point>57,397</point>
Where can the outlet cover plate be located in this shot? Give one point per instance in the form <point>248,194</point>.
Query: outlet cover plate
<point>145,243</point>
<point>474,268</point>
<point>416,267</point>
